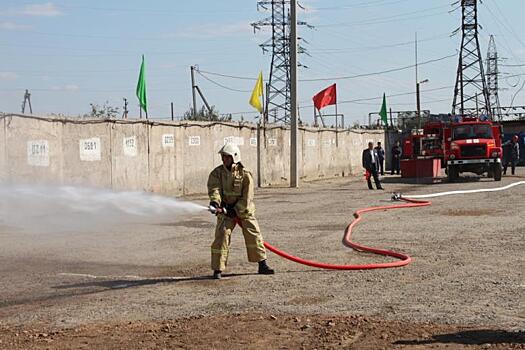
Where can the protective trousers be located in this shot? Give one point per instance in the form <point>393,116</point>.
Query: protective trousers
<point>220,247</point>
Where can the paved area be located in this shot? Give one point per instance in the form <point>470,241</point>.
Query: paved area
<point>467,274</point>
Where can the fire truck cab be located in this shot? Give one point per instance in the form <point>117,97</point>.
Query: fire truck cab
<point>471,145</point>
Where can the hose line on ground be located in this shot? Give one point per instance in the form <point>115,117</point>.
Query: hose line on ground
<point>404,258</point>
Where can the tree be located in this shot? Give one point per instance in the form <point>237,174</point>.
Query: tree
<point>106,111</point>
<point>204,114</point>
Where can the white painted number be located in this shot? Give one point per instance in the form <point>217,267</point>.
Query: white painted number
<point>130,146</point>
<point>90,149</point>
<point>38,153</point>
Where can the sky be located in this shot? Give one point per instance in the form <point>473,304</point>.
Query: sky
<point>71,54</point>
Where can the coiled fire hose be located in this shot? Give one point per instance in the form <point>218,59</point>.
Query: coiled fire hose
<point>413,201</point>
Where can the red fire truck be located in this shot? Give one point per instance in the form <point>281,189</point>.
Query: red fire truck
<point>467,145</point>
<point>473,146</point>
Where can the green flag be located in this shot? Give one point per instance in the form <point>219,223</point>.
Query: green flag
<point>141,87</point>
<point>382,112</point>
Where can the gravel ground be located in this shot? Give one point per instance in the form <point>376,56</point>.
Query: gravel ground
<point>467,273</point>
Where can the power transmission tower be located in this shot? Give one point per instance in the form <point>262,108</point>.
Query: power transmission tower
<point>27,99</point>
<point>277,102</point>
<point>471,97</point>
<point>492,78</point>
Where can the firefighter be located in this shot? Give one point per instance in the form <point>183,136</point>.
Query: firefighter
<point>231,192</point>
<point>512,154</point>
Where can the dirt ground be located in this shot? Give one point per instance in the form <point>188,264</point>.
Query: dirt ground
<point>148,286</point>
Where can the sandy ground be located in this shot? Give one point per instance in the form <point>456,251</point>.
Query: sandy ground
<point>148,286</point>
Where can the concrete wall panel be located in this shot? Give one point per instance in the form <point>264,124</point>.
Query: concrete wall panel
<point>34,150</point>
<point>87,154</point>
<point>129,147</point>
<point>164,160</point>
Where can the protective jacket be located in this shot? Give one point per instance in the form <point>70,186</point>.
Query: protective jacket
<point>233,187</point>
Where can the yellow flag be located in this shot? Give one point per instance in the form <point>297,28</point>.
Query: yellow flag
<point>255,100</point>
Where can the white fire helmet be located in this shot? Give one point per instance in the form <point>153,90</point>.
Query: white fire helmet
<point>231,150</point>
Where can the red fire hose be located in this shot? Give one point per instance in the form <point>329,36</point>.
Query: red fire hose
<point>404,259</point>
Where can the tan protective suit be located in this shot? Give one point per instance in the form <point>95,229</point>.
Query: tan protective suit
<point>234,187</point>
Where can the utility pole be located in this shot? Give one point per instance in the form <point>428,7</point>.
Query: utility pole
<point>418,103</point>
<point>195,88</point>
<point>294,174</point>
<point>192,69</point>
<point>470,78</point>
<point>125,113</point>
<point>27,99</point>
<point>172,114</point>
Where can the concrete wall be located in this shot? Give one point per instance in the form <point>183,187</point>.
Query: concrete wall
<point>173,158</point>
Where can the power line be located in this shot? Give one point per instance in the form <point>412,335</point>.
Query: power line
<point>380,72</point>
<point>356,101</point>
<point>386,19</point>
<point>219,84</point>
<point>335,78</point>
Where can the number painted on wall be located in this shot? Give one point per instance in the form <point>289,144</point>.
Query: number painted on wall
<point>194,140</point>
<point>90,149</point>
<point>272,142</point>
<point>129,145</point>
<point>311,142</point>
<point>168,140</point>
<point>238,141</point>
<point>253,141</point>
<point>38,153</point>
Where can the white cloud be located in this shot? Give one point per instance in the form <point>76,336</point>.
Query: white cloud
<point>68,87</point>
<point>13,26</point>
<point>71,87</point>
<point>46,10</point>
<point>8,76</point>
<point>209,31</point>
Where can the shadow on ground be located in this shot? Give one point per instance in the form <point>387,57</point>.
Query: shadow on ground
<point>471,337</point>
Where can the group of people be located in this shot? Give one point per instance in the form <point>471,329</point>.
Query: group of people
<point>373,160</point>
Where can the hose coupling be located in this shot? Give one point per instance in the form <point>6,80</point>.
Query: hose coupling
<point>396,197</point>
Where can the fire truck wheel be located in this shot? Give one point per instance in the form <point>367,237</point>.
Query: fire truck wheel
<point>496,169</point>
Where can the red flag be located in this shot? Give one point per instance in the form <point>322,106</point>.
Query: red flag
<point>325,97</point>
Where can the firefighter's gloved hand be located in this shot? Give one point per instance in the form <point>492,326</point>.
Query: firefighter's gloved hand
<point>230,210</point>
<point>215,208</point>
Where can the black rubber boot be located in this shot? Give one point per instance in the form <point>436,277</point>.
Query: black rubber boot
<point>264,269</point>
<point>217,275</point>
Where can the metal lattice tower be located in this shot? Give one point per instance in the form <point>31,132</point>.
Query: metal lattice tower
<point>277,102</point>
<point>492,78</point>
<point>471,96</point>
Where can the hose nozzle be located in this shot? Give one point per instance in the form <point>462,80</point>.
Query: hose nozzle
<point>216,211</point>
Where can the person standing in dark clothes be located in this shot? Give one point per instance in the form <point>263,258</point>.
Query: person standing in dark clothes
<point>371,163</point>
<point>396,158</point>
<point>381,155</point>
<point>512,154</point>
